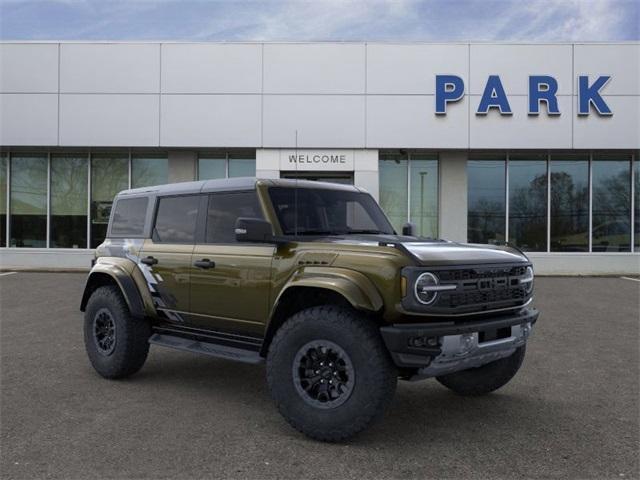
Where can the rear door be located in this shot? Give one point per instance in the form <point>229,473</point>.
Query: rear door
<point>166,257</point>
<point>230,281</point>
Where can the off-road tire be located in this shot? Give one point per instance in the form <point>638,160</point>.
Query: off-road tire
<point>131,335</point>
<point>484,379</point>
<point>375,374</point>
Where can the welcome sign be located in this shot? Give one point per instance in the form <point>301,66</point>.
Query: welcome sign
<point>317,160</point>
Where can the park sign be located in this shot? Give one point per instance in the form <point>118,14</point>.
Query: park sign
<point>542,90</point>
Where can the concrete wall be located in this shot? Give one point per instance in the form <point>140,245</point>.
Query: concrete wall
<point>335,95</point>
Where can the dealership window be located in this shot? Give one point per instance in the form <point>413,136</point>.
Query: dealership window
<point>486,198</point>
<point>527,176</point>
<point>393,188</point>
<point>611,187</point>
<point>109,175</point>
<point>569,206</point>
<point>28,224</point>
<point>4,165</point>
<point>68,208</point>
<point>227,165</point>
<point>636,195</point>
<point>147,170</point>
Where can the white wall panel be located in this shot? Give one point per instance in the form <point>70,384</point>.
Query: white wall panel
<point>620,61</point>
<point>28,119</point>
<point>397,121</point>
<point>210,120</point>
<point>217,68</point>
<point>322,121</point>
<point>411,69</point>
<point>314,68</point>
<point>521,130</point>
<point>514,64</point>
<point>109,120</point>
<point>28,68</point>
<point>109,68</point>
<point>620,130</point>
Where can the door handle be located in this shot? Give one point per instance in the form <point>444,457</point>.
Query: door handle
<point>149,260</point>
<point>204,263</point>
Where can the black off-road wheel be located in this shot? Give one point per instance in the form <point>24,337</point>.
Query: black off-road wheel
<point>484,379</point>
<point>329,372</point>
<point>116,343</point>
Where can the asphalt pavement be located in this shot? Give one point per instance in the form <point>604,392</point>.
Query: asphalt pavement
<point>571,412</point>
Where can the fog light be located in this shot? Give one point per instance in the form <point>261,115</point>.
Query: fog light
<point>525,331</point>
<point>421,342</point>
<point>466,343</point>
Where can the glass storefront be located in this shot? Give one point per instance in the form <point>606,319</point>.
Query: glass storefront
<point>109,175</point>
<point>28,202</point>
<point>409,190</point>
<point>486,199</point>
<point>636,202</point>
<point>4,166</point>
<point>559,209</point>
<point>226,165</point>
<point>68,206</point>
<point>149,170</point>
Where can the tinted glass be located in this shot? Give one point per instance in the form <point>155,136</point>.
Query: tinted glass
<point>224,209</point>
<point>129,216</point>
<point>176,219</point>
<point>394,188</point>
<point>486,201</point>
<point>28,201</point>
<point>146,171</point>
<point>109,175</point>
<point>3,199</point>
<point>528,204</point>
<point>212,167</point>
<point>242,164</point>
<point>424,194</point>
<point>569,204</point>
<point>311,211</point>
<point>636,213</point>
<point>611,231</point>
<point>69,201</point>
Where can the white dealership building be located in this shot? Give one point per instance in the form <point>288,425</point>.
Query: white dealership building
<point>532,144</point>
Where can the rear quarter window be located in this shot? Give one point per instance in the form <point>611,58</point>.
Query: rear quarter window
<point>128,217</point>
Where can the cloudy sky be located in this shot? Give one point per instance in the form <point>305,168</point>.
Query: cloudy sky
<point>292,20</point>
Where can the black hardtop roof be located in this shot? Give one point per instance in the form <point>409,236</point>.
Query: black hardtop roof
<point>230,184</point>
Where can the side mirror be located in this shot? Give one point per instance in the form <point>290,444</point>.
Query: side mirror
<point>254,230</point>
<point>408,229</point>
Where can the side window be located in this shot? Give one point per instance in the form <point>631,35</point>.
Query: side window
<point>128,217</point>
<point>176,219</point>
<point>224,210</point>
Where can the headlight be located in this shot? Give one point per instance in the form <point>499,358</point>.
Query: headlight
<point>425,288</point>
<point>527,280</point>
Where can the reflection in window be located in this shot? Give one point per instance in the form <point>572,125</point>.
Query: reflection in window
<point>3,199</point>
<point>242,164</point>
<point>393,188</point>
<point>212,166</point>
<point>109,175</point>
<point>176,219</point>
<point>129,217</point>
<point>223,212</point>
<point>528,202</point>
<point>569,203</point>
<point>424,194</point>
<point>486,201</point>
<point>149,170</point>
<point>28,201</point>
<point>68,202</point>
<point>611,230</point>
<point>636,189</point>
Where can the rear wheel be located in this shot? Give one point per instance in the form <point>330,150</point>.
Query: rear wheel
<point>117,345</point>
<point>329,372</point>
<point>484,379</point>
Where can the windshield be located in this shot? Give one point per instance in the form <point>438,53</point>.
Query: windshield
<point>323,211</point>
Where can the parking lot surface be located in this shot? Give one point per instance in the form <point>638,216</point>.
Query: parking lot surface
<point>571,412</point>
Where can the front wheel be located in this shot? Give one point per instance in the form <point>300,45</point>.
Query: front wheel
<point>329,373</point>
<point>484,379</point>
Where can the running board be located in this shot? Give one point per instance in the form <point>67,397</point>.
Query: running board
<point>215,350</point>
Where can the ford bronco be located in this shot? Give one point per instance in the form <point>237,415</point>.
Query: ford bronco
<point>311,279</point>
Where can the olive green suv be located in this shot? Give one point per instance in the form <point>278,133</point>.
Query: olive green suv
<point>311,279</point>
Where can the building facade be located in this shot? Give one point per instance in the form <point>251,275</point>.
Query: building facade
<point>531,144</point>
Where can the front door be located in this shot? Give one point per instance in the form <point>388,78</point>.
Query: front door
<point>230,281</point>
<point>166,257</point>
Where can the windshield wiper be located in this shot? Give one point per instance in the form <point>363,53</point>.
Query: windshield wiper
<point>313,232</point>
<point>366,232</point>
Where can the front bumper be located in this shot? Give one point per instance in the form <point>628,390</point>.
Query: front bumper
<point>433,349</point>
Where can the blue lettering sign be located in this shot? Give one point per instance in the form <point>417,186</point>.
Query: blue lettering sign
<point>543,88</point>
<point>590,95</point>
<point>449,88</point>
<point>494,97</point>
